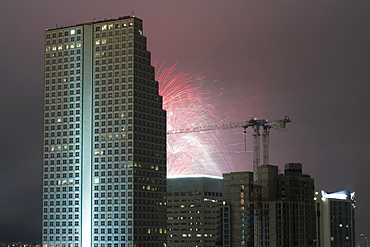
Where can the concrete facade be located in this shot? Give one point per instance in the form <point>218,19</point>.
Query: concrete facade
<point>335,218</point>
<point>194,211</point>
<point>281,205</point>
<point>104,162</point>
<point>238,209</point>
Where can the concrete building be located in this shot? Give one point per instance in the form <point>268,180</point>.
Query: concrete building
<point>282,203</point>
<point>104,161</point>
<point>335,218</point>
<point>238,222</point>
<point>288,206</point>
<point>194,211</point>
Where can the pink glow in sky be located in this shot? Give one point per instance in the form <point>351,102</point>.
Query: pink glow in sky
<point>266,59</point>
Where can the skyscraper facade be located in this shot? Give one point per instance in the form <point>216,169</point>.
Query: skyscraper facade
<point>238,222</point>
<point>288,208</point>
<point>104,161</point>
<point>281,206</point>
<point>335,218</point>
<point>194,211</point>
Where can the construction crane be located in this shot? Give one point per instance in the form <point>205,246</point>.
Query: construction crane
<point>208,128</point>
<point>256,195</point>
<point>256,125</point>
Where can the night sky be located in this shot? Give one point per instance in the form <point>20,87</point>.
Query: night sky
<point>308,60</point>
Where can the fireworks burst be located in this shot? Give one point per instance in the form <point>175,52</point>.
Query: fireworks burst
<point>193,153</point>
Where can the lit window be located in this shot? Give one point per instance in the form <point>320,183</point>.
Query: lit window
<point>73,31</point>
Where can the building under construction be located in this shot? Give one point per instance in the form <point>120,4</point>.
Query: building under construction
<point>285,215</point>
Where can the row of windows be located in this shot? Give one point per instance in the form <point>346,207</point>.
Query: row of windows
<point>60,216</point>
<point>53,48</point>
<point>104,41</point>
<point>51,53</point>
<point>60,33</point>
<point>110,230</point>
<point>59,188</point>
<point>57,222</point>
<point>65,99</point>
<point>124,151</point>
<point>58,161</point>
<point>63,175</point>
<point>62,64</point>
<point>63,134</point>
<point>111,223</point>
<point>60,67</point>
<point>65,73</point>
<point>110,238</point>
<point>113,209</point>
<point>112,202</point>
<point>58,202</point>
<point>194,193</point>
<point>114,26</point>
<point>114,216</point>
<point>58,127</point>
<point>63,78</point>
<point>58,154</point>
<point>117,33</point>
<point>61,40</point>
<point>116,47</point>
<point>63,231</point>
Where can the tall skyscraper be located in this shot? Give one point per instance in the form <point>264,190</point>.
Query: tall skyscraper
<point>238,223</point>
<point>335,218</point>
<point>194,211</point>
<point>288,207</point>
<point>285,213</point>
<point>104,138</point>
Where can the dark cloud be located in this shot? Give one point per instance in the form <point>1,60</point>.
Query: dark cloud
<point>305,59</point>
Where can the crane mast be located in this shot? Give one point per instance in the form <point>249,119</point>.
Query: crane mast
<point>266,144</point>
<point>256,149</point>
<point>256,125</point>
